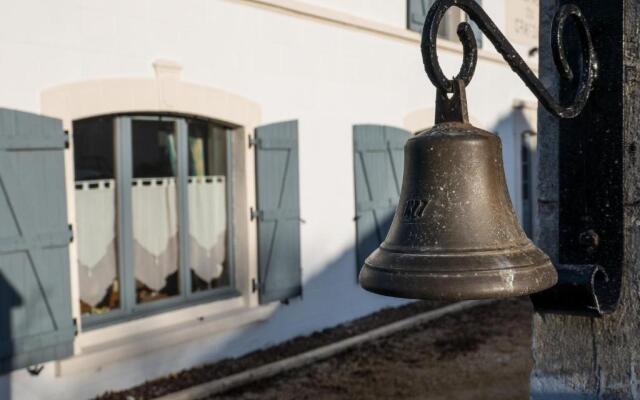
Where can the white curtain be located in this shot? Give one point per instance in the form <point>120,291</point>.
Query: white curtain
<point>207,225</point>
<point>96,236</point>
<point>155,230</point>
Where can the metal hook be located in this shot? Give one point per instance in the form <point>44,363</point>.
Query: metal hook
<point>588,72</point>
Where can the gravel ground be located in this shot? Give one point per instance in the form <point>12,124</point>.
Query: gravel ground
<point>483,353</point>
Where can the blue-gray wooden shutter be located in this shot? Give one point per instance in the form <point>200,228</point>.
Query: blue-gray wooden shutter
<point>278,213</point>
<point>476,31</point>
<point>378,166</point>
<point>35,303</point>
<point>417,12</point>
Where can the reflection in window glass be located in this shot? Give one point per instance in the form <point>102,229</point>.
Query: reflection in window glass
<point>154,209</point>
<point>95,195</point>
<point>207,206</point>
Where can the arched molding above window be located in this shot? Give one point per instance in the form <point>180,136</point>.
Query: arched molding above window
<point>165,93</point>
<point>423,118</point>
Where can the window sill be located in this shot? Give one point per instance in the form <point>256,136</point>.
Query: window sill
<point>102,346</point>
<point>92,322</point>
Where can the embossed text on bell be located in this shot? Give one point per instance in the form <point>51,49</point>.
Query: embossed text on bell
<point>455,234</point>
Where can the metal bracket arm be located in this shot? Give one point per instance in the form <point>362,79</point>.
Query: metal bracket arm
<point>588,71</point>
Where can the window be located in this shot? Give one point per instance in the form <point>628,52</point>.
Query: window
<point>417,12</point>
<point>152,210</point>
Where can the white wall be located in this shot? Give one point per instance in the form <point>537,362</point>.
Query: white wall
<point>327,76</point>
<point>390,12</point>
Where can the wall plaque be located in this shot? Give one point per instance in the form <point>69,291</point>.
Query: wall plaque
<point>522,21</point>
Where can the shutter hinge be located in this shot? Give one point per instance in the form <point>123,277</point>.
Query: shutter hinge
<point>75,327</point>
<point>70,233</point>
<point>35,370</point>
<point>66,139</point>
<point>255,214</point>
<point>253,141</point>
<point>254,285</point>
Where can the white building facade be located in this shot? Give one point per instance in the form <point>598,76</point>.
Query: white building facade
<point>212,170</point>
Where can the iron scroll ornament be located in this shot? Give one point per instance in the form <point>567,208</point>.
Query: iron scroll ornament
<point>588,72</point>
<point>589,287</point>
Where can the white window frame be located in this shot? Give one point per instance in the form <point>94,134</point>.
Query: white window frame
<point>166,94</point>
<point>129,308</point>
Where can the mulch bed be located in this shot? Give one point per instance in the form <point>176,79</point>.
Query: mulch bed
<point>205,373</point>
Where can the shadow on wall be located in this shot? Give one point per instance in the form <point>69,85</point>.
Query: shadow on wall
<point>329,298</point>
<point>333,296</point>
<point>9,298</point>
<point>510,128</point>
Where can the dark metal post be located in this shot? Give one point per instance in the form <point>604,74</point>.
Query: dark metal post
<point>589,211</point>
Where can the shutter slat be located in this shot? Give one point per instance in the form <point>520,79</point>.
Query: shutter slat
<point>35,302</point>
<point>278,205</point>
<point>378,165</point>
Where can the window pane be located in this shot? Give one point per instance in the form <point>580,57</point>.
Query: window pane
<point>207,196</point>
<point>154,209</point>
<point>95,195</point>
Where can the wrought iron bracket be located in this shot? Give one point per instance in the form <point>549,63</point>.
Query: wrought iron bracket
<point>581,289</point>
<point>591,237</point>
<point>588,72</point>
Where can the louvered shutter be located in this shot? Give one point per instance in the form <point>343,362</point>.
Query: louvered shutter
<point>378,165</point>
<point>278,213</point>
<point>35,303</point>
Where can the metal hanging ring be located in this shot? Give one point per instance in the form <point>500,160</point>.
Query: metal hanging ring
<point>588,71</point>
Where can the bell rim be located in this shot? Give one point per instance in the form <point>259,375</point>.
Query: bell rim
<point>459,285</point>
<point>458,262</point>
<point>523,246</point>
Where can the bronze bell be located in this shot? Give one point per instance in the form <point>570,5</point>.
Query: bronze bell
<point>454,235</point>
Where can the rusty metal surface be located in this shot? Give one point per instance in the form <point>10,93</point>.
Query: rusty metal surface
<point>591,178</point>
<point>455,235</point>
<point>577,357</point>
<point>435,247</point>
<point>580,288</point>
